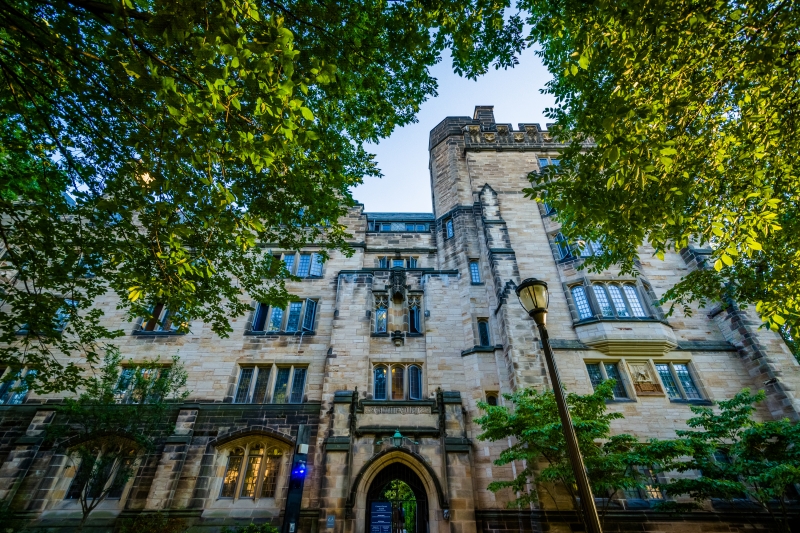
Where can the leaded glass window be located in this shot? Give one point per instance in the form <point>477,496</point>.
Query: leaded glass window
<point>231,478</point>
<point>581,302</point>
<point>316,265</point>
<point>687,383</point>
<point>380,383</point>
<point>474,272</point>
<point>293,322</point>
<point>398,390</point>
<point>595,374</point>
<point>276,320</point>
<point>381,314</point>
<point>633,300</point>
<point>612,371</point>
<point>304,265</point>
<point>449,232</point>
<point>414,383</point>
<point>618,300</point>
<point>602,300</point>
<point>668,380</point>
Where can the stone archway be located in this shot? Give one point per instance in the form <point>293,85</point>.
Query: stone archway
<point>397,501</point>
<point>427,486</point>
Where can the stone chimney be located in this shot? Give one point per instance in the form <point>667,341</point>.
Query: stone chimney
<point>484,113</point>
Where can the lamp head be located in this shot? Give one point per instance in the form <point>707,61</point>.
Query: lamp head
<point>397,439</point>
<point>534,298</point>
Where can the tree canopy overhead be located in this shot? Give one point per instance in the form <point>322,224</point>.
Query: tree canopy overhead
<point>192,136</point>
<point>693,106</point>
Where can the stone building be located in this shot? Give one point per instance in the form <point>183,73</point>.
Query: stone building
<point>374,372</point>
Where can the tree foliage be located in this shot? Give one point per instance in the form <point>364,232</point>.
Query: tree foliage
<point>540,449</point>
<point>737,457</point>
<point>193,136</point>
<point>115,422</point>
<point>693,110</point>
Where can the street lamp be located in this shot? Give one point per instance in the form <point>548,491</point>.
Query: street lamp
<point>533,296</point>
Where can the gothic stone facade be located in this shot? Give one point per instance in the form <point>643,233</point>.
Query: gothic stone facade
<point>410,333</point>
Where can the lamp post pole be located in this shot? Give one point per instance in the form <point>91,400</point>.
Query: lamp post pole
<point>534,298</point>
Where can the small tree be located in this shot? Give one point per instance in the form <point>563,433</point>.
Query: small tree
<point>115,421</point>
<point>737,457</point>
<point>534,424</point>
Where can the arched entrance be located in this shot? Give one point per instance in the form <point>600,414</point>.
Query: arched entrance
<point>397,502</point>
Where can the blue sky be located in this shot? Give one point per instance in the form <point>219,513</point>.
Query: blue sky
<point>403,157</point>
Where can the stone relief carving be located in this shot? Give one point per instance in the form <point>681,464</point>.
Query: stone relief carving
<point>643,380</point>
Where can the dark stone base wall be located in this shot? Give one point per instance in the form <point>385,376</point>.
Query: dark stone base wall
<point>500,521</point>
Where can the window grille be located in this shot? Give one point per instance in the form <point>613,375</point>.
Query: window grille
<point>293,321</point>
<point>381,314</point>
<point>602,300</point>
<point>633,300</point>
<point>474,272</point>
<point>678,381</point>
<point>581,302</point>
<point>599,373</point>
<point>398,389</point>
<point>414,312</point>
<point>316,265</point>
<point>380,383</point>
<point>254,384</point>
<point>248,467</point>
<point>618,300</point>
<point>304,265</point>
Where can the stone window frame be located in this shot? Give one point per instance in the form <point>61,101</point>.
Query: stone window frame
<point>411,299</point>
<point>385,262</point>
<point>380,300</point>
<point>624,366</point>
<point>262,310</point>
<point>591,287</point>
<point>316,266</point>
<point>69,471</point>
<point>406,376</point>
<point>624,382</point>
<point>492,395</point>
<point>247,395</point>
<point>377,226</point>
<point>485,322</point>
<point>14,391</point>
<point>474,267</point>
<point>124,386</point>
<point>704,397</point>
<point>449,228</point>
<point>246,444</point>
<point>160,323</point>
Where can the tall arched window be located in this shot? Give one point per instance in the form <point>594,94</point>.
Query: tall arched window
<point>381,314</point>
<point>602,300</point>
<point>633,300</point>
<point>414,311</point>
<point>398,389</point>
<point>619,301</point>
<point>414,383</point>
<point>581,302</point>
<point>232,473</point>
<point>483,333</point>
<point>380,383</point>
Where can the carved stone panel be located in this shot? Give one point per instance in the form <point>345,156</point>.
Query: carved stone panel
<point>644,380</point>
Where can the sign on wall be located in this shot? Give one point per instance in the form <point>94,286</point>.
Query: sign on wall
<point>381,517</point>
